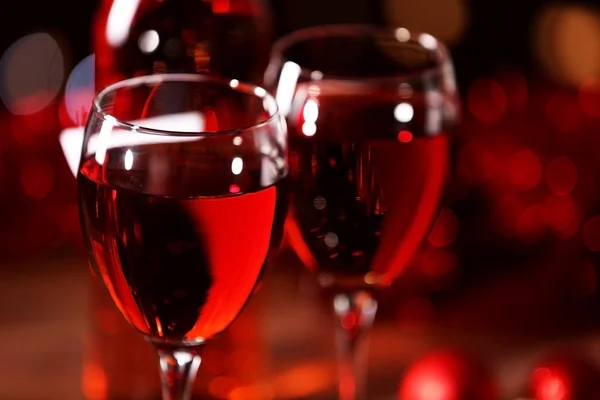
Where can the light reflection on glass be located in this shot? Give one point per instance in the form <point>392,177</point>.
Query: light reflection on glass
<point>320,203</point>
<point>314,90</point>
<point>404,112</point>
<point>402,34</point>
<point>331,240</point>
<point>260,92</point>
<point>435,109</point>
<point>287,86</point>
<point>128,160</point>
<point>309,128</point>
<point>104,138</point>
<point>310,114</point>
<point>316,75</point>
<point>311,111</point>
<point>237,165</point>
<point>341,304</point>
<point>428,41</point>
<point>119,21</point>
<point>149,41</point>
<point>405,90</point>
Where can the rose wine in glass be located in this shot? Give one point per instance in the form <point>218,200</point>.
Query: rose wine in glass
<point>369,112</point>
<point>179,224</point>
<point>180,262</point>
<point>365,194</point>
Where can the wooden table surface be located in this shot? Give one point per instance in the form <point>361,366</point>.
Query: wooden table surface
<point>44,316</point>
<point>42,325</point>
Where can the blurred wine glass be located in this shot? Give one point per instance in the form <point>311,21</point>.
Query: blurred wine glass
<point>369,112</point>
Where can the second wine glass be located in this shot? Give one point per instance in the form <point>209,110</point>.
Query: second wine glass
<point>369,112</point>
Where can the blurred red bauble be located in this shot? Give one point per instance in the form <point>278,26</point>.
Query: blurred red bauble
<point>446,375</point>
<point>566,377</point>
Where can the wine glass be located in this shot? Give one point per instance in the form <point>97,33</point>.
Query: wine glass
<point>369,111</point>
<point>182,201</point>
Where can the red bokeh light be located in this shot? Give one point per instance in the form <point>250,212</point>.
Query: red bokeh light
<point>446,375</point>
<point>563,112</point>
<point>37,178</point>
<point>349,321</point>
<point>515,87</point>
<point>589,97</point>
<point>561,175</point>
<point>221,6</point>
<point>405,136</point>
<point>551,384</point>
<point>486,100</point>
<point>94,381</point>
<point>525,170</point>
<point>566,376</point>
<point>559,212</point>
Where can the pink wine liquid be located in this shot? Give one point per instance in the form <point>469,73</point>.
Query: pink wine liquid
<point>366,187</point>
<point>180,260</point>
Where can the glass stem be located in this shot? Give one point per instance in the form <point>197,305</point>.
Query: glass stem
<point>355,313</point>
<point>178,369</point>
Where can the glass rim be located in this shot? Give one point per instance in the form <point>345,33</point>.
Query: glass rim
<point>232,84</point>
<point>436,47</point>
